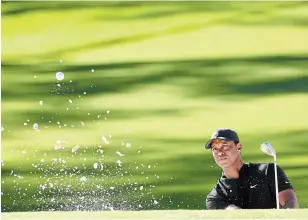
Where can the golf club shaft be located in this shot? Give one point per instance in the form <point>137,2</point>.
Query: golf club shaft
<point>276,183</point>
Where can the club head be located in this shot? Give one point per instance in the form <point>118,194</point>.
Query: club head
<point>268,149</point>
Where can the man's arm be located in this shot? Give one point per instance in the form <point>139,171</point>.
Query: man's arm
<point>287,197</point>
<point>288,200</point>
<point>216,201</point>
<point>219,203</point>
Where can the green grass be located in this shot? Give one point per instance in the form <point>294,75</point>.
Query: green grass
<point>170,75</point>
<point>181,214</point>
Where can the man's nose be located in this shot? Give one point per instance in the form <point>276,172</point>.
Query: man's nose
<point>220,153</point>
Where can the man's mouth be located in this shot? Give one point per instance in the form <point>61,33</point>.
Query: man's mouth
<point>222,158</point>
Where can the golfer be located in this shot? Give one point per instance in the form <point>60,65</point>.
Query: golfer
<point>245,185</point>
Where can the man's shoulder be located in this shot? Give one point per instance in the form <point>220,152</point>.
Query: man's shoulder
<point>215,191</point>
<point>219,189</point>
<point>266,169</point>
<point>212,193</point>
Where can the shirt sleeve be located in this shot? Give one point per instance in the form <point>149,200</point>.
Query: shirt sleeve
<point>283,180</point>
<point>216,201</point>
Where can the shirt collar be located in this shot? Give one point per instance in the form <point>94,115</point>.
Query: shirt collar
<point>242,171</point>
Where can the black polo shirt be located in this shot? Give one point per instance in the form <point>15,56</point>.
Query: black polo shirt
<point>254,189</point>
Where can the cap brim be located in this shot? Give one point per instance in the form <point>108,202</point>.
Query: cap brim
<point>209,143</point>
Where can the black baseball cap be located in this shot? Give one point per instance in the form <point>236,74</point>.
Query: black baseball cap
<point>223,134</point>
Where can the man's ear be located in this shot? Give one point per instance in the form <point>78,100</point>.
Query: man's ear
<point>239,147</point>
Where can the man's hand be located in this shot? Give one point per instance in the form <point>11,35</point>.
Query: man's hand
<point>288,200</point>
<point>232,207</point>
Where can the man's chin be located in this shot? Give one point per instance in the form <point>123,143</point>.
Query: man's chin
<point>224,164</point>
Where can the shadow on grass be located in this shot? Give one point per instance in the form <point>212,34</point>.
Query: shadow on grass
<point>166,10</point>
<point>13,8</point>
<point>20,8</point>
<point>159,9</point>
<point>199,77</point>
<point>162,8</point>
<point>225,78</point>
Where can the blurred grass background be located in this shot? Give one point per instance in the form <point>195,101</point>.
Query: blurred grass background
<point>155,79</point>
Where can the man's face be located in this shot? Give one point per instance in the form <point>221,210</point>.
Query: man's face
<point>225,152</point>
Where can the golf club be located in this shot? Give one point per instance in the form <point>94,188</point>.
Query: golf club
<point>268,149</point>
